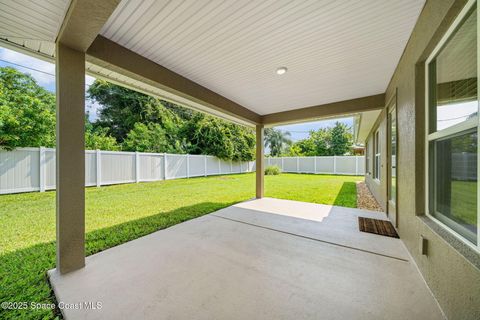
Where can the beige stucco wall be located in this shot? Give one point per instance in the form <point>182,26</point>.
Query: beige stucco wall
<point>378,187</point>
<point>453,278</point>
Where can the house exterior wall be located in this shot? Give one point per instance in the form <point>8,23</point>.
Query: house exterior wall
<point>378,187</point>
<point>450,269</point>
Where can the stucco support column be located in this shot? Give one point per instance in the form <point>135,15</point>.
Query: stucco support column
<point>70,158</point>
<point>259,165</point>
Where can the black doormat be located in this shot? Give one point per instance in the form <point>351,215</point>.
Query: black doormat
<point>381,227</point>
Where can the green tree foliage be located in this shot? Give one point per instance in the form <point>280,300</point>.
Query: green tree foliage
<point>27,115</point>
<point>243,142</point>
<point>277,140</point>
<point>146,138</point>
<point>123,108</point>
<point>334,141</point>
<point>27,111</point>
<point>209,135</point>
<point>294,151</point>
<point>98,138</point>
<point>128,120</point>
<point>341,139</point>
<point>144,123</point>
<point>315,144</point>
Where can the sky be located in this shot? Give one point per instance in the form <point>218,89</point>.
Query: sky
<point>452,114</point>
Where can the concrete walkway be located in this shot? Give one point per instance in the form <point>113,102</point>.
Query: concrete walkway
<point>261,259</point>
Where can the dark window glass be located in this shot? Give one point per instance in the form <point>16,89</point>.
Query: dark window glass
<point>454,189</point>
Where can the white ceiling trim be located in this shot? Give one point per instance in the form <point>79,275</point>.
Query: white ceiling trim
<point>32,25</point>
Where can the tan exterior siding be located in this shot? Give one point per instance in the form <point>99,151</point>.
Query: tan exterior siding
<point>449,272</point>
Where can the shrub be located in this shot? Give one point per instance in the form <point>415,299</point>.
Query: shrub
<point>272,170</point>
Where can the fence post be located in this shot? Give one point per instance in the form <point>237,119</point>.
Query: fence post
<point>334,164</point>
<point>205,164</point>
<point>219,167</point>
<point>137,167</point>
<point>188,167</point>
<point>282,164</point>
<point>98,160</point>
<point>41,169</point>
<point>298,164</point>
<point>314,164</point>
<point>356,165</point>
<point>231,167</point>
<point>164,166</point>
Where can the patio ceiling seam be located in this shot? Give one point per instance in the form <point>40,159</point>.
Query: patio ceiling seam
<point>311,238</point>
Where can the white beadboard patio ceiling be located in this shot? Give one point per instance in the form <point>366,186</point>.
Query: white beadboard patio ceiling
<point>32,25</point>
<point>334,50</point>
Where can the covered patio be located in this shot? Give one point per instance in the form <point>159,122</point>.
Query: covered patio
<point>112,41</point>
<point>260,259</point>
<point>262,64</point>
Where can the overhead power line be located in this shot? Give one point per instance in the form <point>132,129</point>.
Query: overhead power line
<point>30,68</point>
<point>33,69</point>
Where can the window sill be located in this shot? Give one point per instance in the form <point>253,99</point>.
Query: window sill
<point>462,248</point>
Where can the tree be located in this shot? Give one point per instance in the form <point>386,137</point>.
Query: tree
<point>124,108</point>
<point>27,111</point>
<point>334,141</point>
<point>316,144</point>
<point>133,117</point>
<point>277,141</point>
<point>341,139</point>
<point>243,142</point>
<point>293,151</point>
<point>213,136</point>
<point>98,138</point>
<point>128,120</point>
<point>146,138</point>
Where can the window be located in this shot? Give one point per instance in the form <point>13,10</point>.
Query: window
<point>452,129</point>
<point>393,155</point>
<point>376,159</point>
<point>367,158</point>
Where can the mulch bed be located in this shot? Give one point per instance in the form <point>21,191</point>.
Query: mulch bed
<point>365,199</point>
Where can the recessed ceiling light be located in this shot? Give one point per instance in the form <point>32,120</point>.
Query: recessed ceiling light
<point>281,70</point>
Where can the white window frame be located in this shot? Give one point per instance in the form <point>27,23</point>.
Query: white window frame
<point>458,128</point>
<point>377,157</point>
<point>367,157</point>
<point>392,110</point>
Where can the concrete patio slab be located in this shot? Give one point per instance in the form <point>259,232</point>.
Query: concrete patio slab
<point>224,266</point>
<point>338,225</point>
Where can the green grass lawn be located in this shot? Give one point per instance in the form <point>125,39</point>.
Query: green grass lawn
<point>464,202</point>
<point>121,213</point>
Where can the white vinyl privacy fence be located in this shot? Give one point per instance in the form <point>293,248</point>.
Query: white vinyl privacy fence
<point>348,165</point>
<point>33,169</point>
